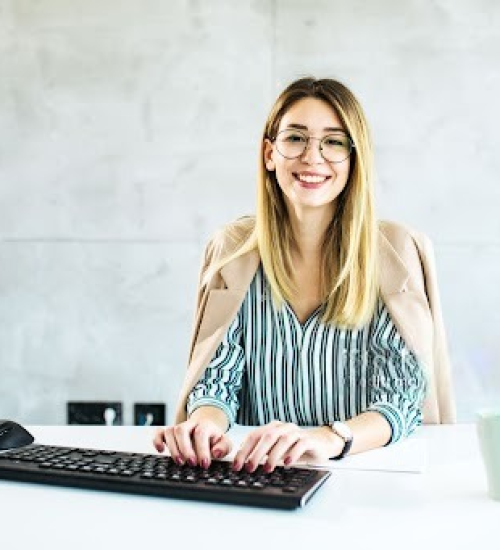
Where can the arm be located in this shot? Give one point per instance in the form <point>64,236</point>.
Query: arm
<point>288,443</point>
<point>369,429</point>
<point>280,442</point>
<point>221,382</point>
<point>396,379</point>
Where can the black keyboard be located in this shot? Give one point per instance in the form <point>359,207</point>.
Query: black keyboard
<point>158,475</point>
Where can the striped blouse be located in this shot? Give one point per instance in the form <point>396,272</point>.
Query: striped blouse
<point>270,366</point>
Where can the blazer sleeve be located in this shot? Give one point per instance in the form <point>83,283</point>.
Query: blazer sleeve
<point>442,365</point>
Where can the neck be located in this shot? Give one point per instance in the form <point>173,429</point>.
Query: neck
<point>309,227</point>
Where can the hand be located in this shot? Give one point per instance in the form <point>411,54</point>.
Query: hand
<point>287,443</point>
<point>195,441</point>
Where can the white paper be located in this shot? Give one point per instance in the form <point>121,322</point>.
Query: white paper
<point>409,455</point>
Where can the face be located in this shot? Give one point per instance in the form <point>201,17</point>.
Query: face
<point>309,181</point>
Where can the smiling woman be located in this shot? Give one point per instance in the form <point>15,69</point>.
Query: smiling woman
<point>315,322</point>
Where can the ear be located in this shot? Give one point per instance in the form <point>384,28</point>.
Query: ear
<point>268,155</point>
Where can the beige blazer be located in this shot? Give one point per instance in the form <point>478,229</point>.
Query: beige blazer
<point>408,288</point>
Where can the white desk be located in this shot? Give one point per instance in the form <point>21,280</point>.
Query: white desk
<point>446,507</point>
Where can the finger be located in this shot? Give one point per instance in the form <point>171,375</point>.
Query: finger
<point>267,443</point>
<point>183,434</point>
<point>222,447</point>
<point>296,452</point>
<point>202,435</point>
<point>261,450</point>
<point>172,446</point>
<point>159,441</point>
<point>214,439</point>
<point>281,449</point>
<point>246,449</point>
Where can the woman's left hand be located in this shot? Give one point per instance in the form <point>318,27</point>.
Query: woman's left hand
<point>286,443</point>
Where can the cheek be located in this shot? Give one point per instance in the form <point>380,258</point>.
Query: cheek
<point>342,174</point>
<point>341,183</point>
<point>283,172</point>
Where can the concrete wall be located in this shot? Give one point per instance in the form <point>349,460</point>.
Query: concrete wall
<point>129,132</point>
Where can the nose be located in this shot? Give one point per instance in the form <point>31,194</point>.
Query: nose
<point>312,153</point>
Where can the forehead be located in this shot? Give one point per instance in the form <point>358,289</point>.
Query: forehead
<point>313,113</point>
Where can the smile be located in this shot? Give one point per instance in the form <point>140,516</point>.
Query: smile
<point>311,178</point>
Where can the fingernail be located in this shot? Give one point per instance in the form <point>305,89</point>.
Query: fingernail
<point>236,466</point>
<point>191,461</point>
<point>204,463</point>
<point>217,454</point>
<point>287,460</point>
<point>267,468</point>
<point>179,460</point>
<point>249,467</point>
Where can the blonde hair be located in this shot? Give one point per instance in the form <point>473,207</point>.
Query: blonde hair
<point>349,274</point>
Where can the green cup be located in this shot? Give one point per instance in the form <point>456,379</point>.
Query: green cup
<point>488,431</point>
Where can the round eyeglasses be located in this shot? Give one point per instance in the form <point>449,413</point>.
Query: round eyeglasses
<point>334,147</point>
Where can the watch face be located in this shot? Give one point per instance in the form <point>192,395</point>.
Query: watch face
<point>343,430</point>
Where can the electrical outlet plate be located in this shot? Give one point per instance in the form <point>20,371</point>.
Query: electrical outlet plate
<point>150,414</point>
<point>95,412</point>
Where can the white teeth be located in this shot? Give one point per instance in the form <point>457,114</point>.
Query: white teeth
<point>311,179</point>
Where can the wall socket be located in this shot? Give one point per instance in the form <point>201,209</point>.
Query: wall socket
<point>95,412</point>
<point>150,414</point>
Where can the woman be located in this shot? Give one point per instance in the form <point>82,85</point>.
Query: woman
<point>314,321</point>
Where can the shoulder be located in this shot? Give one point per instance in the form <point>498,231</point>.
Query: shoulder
<point>413,248</point>
<point>406,241</point>
<point>399,235</point>
<point>230,238</point>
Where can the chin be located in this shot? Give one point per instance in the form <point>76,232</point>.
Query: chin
<point>312,204</point>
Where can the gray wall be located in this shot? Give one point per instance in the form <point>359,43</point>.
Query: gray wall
<point>129,132</point>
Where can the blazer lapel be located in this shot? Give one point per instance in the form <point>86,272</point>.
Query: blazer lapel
<point>239,274</point>
<point>393,272</point>
<point>223,303</point>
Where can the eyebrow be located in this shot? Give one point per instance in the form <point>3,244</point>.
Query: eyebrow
<point>327,129</point>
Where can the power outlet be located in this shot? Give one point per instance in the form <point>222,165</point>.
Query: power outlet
<point>95,412</point>
<point>150,414</point>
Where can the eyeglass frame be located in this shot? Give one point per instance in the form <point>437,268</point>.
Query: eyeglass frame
<point>308,139</point>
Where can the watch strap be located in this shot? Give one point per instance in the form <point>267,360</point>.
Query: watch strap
<point>347,443</point>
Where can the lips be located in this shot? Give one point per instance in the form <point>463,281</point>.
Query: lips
<point>310,180</point>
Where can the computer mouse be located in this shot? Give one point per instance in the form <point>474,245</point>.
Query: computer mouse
<point>13,435</point>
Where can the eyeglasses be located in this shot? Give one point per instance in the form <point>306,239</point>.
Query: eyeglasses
<point>335,147</point>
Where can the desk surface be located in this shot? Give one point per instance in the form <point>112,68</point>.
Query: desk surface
<point>445,507</point>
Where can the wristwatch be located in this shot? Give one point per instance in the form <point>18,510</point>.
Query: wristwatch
<point>345,433</point>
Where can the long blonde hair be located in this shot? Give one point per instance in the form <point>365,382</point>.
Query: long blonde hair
<point>349,274</point>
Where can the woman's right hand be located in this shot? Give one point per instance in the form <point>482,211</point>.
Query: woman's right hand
<point>195,441</point>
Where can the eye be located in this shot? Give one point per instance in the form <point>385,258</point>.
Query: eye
<point>293,138</point>
<point>335,141</point>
